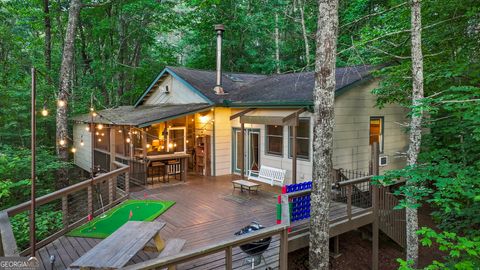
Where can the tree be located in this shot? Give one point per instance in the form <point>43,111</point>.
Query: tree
<point>323,117</point>
<point>415,126</point>
<point>66,70</point>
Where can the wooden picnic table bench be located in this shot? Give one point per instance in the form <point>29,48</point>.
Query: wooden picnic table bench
<point>118,249</point>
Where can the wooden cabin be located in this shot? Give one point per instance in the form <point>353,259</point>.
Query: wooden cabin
<point>180,118</point>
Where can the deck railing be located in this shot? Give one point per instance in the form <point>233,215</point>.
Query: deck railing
<point>68,208</point>
<point>227,254</point>
<point>351,205</point>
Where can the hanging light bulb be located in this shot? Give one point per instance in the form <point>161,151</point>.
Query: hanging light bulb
<point>74,150</point>
<point>128,140</point>
<point>174,145</point>
<point>97,133</point>
<point>94,114</point>
<point>119,131</point>
<point>92,109</point>
<point>148,145</point>
<point>44,110</point>
<point>62,142</point>
<point>87,128</point>
<point>186,141</point>
<point>82,143</point>
<point>99,139</point>
<point>163,147</point>
<point>100,126</point>
<point>170,145</point>
<point>61,103</point>
<point>103,134</point>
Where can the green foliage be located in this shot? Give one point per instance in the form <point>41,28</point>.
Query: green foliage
<point>462,253</point>
<point>15,173</point>
<point>47,222</point>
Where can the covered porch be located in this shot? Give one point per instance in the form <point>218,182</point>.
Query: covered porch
<point>159,143</point>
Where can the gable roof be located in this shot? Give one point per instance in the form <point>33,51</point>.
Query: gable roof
<point>242,88</point>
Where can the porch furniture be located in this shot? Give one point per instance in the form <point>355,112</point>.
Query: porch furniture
<point>269,175</point>
<point>119,248</point>
<point>156,170</point>
<point>174,167</point>
<point>181,157</point>
<point>244,184</point>
<point>8,245</point>
<point>172,247</point>
<point>202,155</point>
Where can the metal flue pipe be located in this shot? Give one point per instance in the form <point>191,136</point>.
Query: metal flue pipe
<point>219,29</point>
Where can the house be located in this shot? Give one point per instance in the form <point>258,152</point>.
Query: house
<point>199,115</point>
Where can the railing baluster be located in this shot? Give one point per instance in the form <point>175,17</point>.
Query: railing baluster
<point>110,190</point>
<point>89,201</point>
<point>228,258</point>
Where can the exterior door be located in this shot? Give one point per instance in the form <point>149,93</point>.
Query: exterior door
<point>251,150</point>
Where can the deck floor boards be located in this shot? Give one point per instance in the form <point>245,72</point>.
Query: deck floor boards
<point>206,211</point>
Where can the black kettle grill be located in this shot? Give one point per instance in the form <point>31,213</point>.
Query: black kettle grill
<point>256,247</point>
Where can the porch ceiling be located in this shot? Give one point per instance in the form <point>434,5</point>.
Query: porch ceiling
<point>142,116</point>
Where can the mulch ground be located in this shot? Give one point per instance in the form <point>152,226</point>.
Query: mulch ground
<point>356,251</point>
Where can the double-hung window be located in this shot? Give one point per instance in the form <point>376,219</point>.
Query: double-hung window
<point>303,139</point>
<point>274,140</point>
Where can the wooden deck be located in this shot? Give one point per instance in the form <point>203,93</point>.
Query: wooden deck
<point>205,212</point>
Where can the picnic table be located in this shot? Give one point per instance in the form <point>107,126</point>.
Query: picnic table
<point>118,249</point>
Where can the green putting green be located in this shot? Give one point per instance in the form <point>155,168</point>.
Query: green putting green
<point>132,210</point>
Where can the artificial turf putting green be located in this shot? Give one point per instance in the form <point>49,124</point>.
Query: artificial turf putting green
<point>142,210</point>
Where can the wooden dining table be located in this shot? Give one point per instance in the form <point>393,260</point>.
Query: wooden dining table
<point>183,157</point>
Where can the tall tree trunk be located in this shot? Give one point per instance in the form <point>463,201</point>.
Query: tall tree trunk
<point>323,117</point>
<point>277,45</point>
<point>415,125</point>
<point>66,69</point>
<point>304,32</point>
<point>48,40</point>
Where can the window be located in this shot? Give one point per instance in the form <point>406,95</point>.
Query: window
<point>274,140</point>
<point>176,139</point>
<point>376,131</point>
<point>303,139</point>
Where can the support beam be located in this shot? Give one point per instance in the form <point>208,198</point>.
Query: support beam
<point>241,113</point>
<point>375,240</point>
<point>293,117</point>
<point>294,154</point>
<point>242,150</point>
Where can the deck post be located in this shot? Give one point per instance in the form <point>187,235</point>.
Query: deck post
<point>228,258</point>
<point>294,150</point>
<point>90,201</point>
<point>112,148</point>
<point>65,212</point>
<point>127,184</point>
<point>349,201</point>
<point>110,189</point>
<point>242,150</point>
<point>283,258</point>
<point>375,240</point>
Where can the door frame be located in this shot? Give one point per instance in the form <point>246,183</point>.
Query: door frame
<point>247,142</point>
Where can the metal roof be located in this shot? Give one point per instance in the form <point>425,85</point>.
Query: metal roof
<point>142,115</point>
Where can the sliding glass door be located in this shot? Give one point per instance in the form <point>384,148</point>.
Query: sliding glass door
<point>251,150</point>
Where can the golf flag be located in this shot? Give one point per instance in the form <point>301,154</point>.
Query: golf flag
<point>145,195</point>
<point>89,217</point>
<point>130,215</point>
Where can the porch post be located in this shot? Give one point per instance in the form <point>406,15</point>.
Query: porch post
<point>294,150</point>
<point>144,143</point>
<point>375,240</point>
<point>112,147</point>
<point>242,150</point>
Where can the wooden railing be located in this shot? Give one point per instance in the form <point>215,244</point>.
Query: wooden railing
<point>351,206</point>
<point>392,221</point>
<point>278,250</point>
<point>68,208</point>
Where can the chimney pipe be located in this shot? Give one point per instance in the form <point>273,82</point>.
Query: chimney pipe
<point>219,28</point>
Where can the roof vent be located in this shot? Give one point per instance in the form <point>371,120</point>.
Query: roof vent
<point>219,29</point>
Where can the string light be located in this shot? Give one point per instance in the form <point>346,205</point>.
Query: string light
<point>92,109</point>
<point>62,142</point>
<point>61,103</point>
<point>97,133</point>
<point>99,139</point>
<point>87,128</point>
<point>128,140</point>
<point>82,143</point>
<point>94,114</point>
<point>103,134</point>
<point>148,145</point>
<point>100,126</point>
<point>170,145</point>
<point>44,110</point>
<point>74,150</point>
